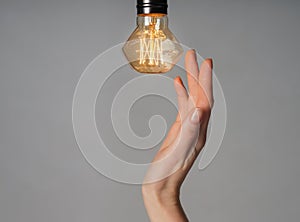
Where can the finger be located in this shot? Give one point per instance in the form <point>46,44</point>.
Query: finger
<point>182,98</point>
<point>180,89</point>
<point>192,70</point>
<point>182,95</point>
<point>205,80</point>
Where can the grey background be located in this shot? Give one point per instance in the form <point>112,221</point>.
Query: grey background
<point>45,46</point>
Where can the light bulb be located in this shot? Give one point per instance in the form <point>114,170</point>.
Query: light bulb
<point>152,48</point>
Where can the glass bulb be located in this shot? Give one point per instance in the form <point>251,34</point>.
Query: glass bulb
<point>152,48</point>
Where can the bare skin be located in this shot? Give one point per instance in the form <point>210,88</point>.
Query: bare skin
<point>184,142</point>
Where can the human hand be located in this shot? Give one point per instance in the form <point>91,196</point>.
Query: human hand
<point>186,138</point>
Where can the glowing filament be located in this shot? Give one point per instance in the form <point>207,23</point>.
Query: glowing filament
<point>151,51</point>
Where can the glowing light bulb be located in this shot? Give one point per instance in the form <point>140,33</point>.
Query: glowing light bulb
<point>152,48</point>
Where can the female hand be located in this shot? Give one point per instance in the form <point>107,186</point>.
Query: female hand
<point>182,145</point>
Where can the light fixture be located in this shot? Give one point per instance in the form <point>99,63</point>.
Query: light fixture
<point>152,48</point>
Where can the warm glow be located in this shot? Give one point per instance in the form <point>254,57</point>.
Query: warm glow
<point>151,52</point>
<point>152,48</point>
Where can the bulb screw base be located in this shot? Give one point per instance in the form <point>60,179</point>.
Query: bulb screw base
<point>152,6</point>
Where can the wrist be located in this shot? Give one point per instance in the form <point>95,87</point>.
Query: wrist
<point>163,205</point>
<point>160,196</point>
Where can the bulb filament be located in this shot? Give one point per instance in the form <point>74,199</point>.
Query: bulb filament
<point>151,52</point>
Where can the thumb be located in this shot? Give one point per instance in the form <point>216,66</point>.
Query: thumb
<point>177,154</point>
<point>191,125</point>
<point>188,136</point>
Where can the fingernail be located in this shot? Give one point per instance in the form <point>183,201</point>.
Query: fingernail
<point>178,78</point>
<point>195,53</point>
<point>196,116</point>
<point>211,62</point>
